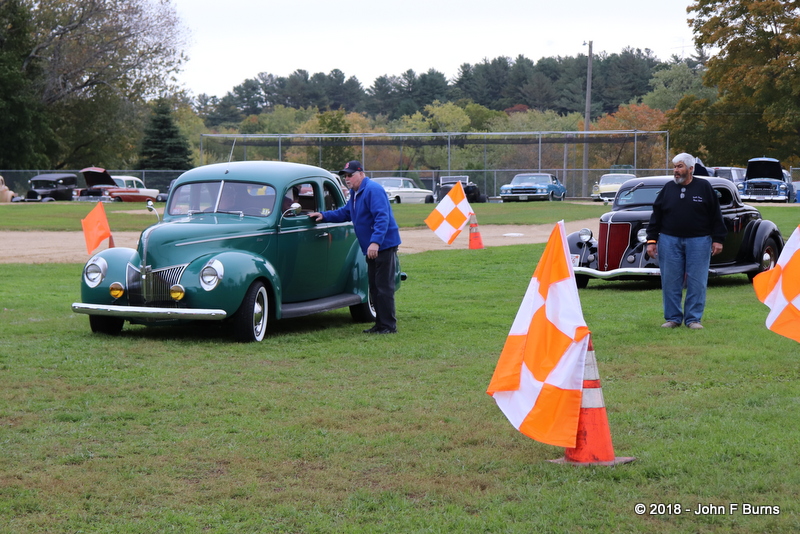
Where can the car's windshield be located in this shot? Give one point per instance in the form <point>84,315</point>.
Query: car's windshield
<point>236,197</point>
<point>523,179</point>
<point>638,195</point>
<point>43,184</point>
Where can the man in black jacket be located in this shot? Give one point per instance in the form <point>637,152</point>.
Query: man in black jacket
<point>685,230</point>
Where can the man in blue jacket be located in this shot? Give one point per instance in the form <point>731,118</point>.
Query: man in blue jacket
<point>378,235</point>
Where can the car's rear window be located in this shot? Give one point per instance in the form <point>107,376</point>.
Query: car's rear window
<point>250,199</point>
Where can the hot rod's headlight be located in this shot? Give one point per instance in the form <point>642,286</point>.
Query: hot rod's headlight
<point>211,274</point>
<point>585,234</point>
<point>641,235</point>
<point>95,271</point>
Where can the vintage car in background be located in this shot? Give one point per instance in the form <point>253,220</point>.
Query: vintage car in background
<point>533,186</point>
<point>766,181</point>
<point>734,174</point>
<point>619,252</point>
<point>404,190</point>
<point>6,194</point>
<point>608,185</point>
<point>48,187</point>
<point>471,190</point>
<point>162,196</point>
<point>230,249</point>
<point>101,186</point>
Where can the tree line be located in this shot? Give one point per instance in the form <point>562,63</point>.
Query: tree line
<point>90,82</point>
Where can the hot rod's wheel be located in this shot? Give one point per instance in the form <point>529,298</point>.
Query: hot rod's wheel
<point>581,280</point>
<point>363,313</point>
<point>768,258</point>
<point>250,320</point>
<point>102,324</point>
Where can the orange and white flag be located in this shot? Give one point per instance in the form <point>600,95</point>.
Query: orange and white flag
<point>538,381</point>
<point>779,288</point>
<point>451,214</point>
<point>96,229</point>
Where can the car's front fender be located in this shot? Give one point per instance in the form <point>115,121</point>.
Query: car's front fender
<point>583,254</point>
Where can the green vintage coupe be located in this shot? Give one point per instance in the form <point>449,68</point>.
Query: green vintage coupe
<point>235,245</point>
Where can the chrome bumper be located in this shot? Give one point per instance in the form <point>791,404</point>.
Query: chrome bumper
<point>617,273</point>
<point>143,312</point>
<point>765,198</point>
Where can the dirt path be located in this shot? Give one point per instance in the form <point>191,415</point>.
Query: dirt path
<point>70,247</point>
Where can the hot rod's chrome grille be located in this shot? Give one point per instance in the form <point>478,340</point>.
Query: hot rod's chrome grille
<point>151,288</point>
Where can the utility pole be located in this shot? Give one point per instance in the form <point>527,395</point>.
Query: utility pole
<point>587,119</point>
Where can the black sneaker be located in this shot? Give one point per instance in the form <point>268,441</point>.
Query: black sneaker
<point>371,330</point>
<point>386,331</point>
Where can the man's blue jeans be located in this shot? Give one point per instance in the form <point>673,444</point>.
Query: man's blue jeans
<point>684,260</point>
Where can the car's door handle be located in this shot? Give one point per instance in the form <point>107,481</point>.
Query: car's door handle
<point>323,234</point>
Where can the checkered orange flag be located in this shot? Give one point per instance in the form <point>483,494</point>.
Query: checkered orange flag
<point>451,215</point>
<point>96,229</point>
<point>779,288</point>
<point>538,381</point>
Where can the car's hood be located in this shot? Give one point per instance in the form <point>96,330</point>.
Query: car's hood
<point>170,243</point>
<point>95,176</point>
<point>764,168</point>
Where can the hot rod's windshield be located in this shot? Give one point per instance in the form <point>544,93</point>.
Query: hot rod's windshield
<point>638,195</point>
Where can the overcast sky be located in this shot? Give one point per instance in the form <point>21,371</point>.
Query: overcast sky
<point>232,40</point>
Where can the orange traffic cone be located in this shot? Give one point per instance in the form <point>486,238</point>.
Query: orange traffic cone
<point>475,240</point>
<point>593,446</point>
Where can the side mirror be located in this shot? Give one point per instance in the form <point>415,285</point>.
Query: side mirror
<point>294,209</point>
<point>152,209</point>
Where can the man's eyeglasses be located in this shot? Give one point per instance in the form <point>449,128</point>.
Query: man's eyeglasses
<point>348,174</point>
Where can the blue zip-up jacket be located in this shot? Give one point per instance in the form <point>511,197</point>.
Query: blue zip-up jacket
<point>371,214</point>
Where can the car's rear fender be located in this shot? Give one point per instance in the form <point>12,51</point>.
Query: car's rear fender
<point>755,235</point>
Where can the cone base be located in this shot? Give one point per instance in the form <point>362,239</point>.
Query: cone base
<point>616,461</point>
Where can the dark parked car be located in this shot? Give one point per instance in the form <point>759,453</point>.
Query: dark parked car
<point>236,245</point>
<point>533,186</point>
<point>471,190</point>
<point>765,180</point>
<point>47,187</point>
<point>618,252</point>
<point>162,197</point>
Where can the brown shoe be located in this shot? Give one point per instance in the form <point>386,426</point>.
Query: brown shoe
<point>670,324</point>
<point>695,326</point>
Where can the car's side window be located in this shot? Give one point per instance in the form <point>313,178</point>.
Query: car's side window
<point>306,196</point>
<point>331,198</point>
<point>725,197</point>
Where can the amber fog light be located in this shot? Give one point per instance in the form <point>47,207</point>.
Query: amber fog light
<point>116,290</point>
<point>177,292</point>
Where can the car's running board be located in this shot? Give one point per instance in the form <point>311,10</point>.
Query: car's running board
<point>300,309</point>
<point>734,269</point>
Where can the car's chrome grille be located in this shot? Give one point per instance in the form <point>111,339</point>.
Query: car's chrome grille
<point>525,190</point>
<point>761,189</point>
<point>151,288</point>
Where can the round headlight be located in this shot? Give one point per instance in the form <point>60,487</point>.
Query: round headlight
<point>95,271</point>
<point>116,290</point>
<point>177,292</point>
<point>211,274</point>
<point>740,186</point>
<point>783,187</point>
<point>585,234</point>
<point>641,235</point>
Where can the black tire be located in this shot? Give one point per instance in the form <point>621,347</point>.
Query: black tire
<point>562,197</point>
<point>429,199</point>
<point>364,312</point>
<point>581,280</point>
<point>397,200</point>
<point>551,196</point>
<point>767,259</point>
<point>250,320</point>
<point>483,198</point>
<point>102,324</point>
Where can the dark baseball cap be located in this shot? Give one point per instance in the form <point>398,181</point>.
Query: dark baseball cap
<point>352,167</point>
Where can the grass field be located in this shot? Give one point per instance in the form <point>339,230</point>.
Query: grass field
<point>323,429</point>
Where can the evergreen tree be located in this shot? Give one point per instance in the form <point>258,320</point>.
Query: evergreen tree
<point>163,146</point>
